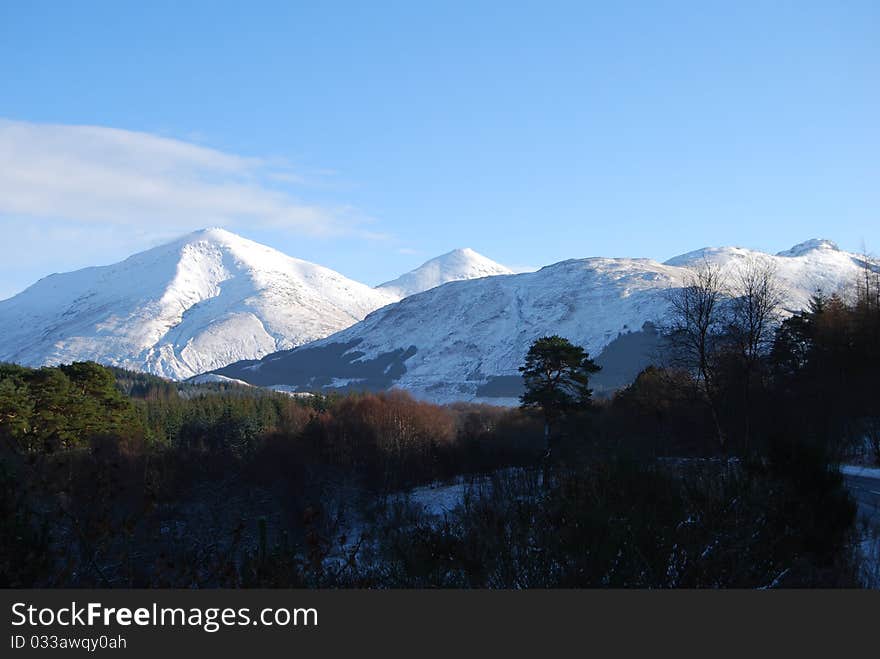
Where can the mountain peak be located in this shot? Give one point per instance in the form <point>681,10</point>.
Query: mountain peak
<point>462,251</point>
<point>191,305</point>
<point>459,264</point>
<point>811,245</point>
<point>725,253</point>
<point>217,235</point>
<point>690,259</point>
<point>213,232</point>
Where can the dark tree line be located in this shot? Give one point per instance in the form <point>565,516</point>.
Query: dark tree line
<point>114,478</point>
<point>759,372</point>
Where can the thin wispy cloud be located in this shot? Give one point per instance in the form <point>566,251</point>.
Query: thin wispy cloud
<point>112,177</point>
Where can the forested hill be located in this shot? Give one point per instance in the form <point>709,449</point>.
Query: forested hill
<point>72,406</point>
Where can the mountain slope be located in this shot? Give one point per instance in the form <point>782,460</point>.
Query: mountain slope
<point>456,265</point>
<point>196,304</point>
<point>465,340</point>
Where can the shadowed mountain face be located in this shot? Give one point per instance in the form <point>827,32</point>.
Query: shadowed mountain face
<point>335,366</point>
<point>621,361</point>
<point>465,340</point>
<point>461,335</point>
<point>340,367</point>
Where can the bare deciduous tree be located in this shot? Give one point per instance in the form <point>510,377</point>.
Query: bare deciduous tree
<point>755,311</point>
<point>868,285</point>
<point>696,320</point>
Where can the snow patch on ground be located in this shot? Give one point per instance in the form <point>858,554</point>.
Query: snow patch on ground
<point>858,470</point>
<point>439,499</point>
<point>210,378</point>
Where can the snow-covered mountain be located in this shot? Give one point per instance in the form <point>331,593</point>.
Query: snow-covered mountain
<point>808,267</point>
<point>456,265</point>
<point>464,340</point>
<point>190,306</point>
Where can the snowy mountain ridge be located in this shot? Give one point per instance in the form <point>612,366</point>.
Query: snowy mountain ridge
<point>214,302</point>
<point>465,340</point>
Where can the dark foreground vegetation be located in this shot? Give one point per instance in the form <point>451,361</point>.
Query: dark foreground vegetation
<point>718,469</point>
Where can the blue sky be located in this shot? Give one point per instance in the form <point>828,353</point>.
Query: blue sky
<point>371,136</point>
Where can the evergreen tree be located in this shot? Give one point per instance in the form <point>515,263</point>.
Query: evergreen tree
<point>556,375</point>
<point>53,414</point>
<point>16,411</point>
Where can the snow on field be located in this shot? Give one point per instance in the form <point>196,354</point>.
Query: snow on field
<point>213,378</point>
<point>438,499</point>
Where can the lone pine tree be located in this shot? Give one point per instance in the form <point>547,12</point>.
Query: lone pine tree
<point>556,375</point>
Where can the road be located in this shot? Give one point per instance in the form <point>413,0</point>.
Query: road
<point>866,492</point>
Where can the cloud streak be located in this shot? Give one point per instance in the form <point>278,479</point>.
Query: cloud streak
<point>118,178</point>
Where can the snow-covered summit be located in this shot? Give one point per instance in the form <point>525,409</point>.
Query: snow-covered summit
<point>813,247</point>
<point>712,255</point>
<point>804,248</point>
<point>457,265</point>
<point>809,267</point>
<point>197,303</point>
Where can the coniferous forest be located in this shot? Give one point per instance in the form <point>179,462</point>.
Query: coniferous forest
<point>716,467</point>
